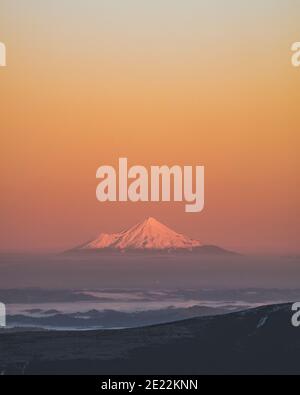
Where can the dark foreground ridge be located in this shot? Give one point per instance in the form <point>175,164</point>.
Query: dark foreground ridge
<point>257,341</point>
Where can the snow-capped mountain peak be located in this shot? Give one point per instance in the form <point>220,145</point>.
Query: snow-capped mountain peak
<point>147,235</point>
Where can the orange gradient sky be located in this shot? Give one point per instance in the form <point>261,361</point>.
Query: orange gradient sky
<point>159,82</point>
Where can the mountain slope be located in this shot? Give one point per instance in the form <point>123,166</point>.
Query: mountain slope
<point>258,341</point>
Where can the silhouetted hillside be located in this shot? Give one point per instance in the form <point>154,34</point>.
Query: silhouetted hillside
<point>258,341</point>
